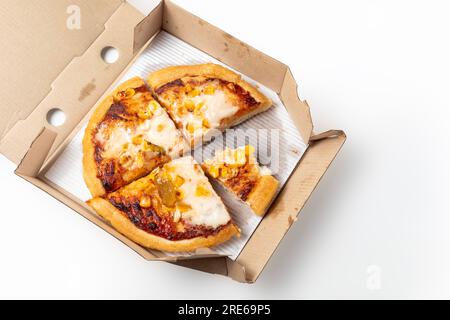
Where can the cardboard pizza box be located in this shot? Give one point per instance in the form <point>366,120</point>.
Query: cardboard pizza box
<point>62,68</point>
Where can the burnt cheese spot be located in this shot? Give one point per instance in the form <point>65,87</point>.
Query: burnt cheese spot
<point>98,153</point>
<point>243,183</point>
<point>142,88</point>
<point>117,111</point>
<point>107,175</point>
<point>241,93</point>
<point>119,205</point>
<point>170,85</point>
<point>245,96</point>
<point>242,186</point>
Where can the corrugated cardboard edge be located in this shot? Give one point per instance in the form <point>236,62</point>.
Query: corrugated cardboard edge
<point>298,109</point>
<point>221,266</point>
<point>326,134</point>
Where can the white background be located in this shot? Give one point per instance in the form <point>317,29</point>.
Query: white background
<point>378,224</point>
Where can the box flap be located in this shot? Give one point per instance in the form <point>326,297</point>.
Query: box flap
<point>39,39</point>
<point>81,82</point>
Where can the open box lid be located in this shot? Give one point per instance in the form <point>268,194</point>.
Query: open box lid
<point>40,38</point>
<point>52,54</point>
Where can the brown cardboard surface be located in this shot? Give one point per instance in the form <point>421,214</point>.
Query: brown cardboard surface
<point>76,89</point>
<point>33,161</point>
<point>223,47</point>
<point>298,109</point>
<point>80,85</point>
<point>37,46</point>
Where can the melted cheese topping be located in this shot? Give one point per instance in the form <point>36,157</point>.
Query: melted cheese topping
<point>158,129</point>
<point>210,110</point>
<point>113,139</point>
<point>216,107</point>
<point>207,208</point>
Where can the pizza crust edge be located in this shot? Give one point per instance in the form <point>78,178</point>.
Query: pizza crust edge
<point>122,224</point>
<point>89,165</point>
<point>263,193</point>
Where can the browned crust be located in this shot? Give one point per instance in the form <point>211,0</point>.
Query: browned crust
<point>122,224</point>
<point>163,76</point>
<point>262,194</point>
<point>93,183</point>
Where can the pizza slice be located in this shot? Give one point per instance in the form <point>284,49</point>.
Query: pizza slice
<point>206,99</point>
<point>239,172</point>
<point>174,208</point>
<point>128,135</point>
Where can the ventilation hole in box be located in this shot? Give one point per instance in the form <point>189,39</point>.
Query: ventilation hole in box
<point>109,54</point>
<point>56,117</point>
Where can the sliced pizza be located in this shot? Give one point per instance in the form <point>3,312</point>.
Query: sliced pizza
<point>174,208</point>
<point>206,99</point>
<point>239,172</point>
<point>128,135</point>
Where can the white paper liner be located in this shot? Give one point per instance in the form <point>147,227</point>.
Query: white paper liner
<point>286,149</point>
